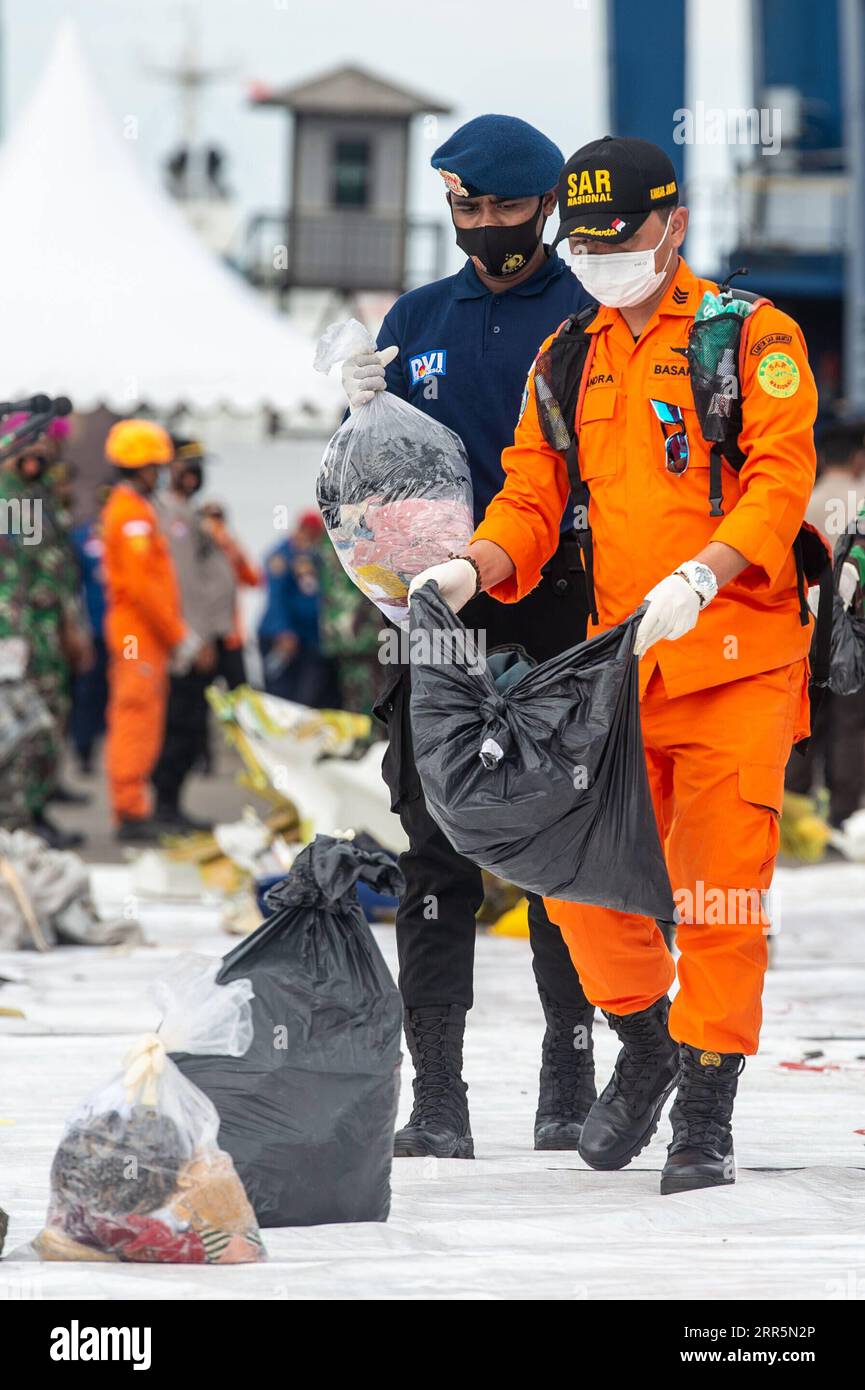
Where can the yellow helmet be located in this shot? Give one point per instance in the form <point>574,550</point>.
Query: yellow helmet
<point>136,443</point>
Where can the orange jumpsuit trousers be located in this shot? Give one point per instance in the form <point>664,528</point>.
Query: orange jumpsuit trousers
<point>143,624</point>
<point>716,762</point>
<point>137,702</point>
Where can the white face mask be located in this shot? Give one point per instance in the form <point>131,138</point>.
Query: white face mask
<point>620,279</point>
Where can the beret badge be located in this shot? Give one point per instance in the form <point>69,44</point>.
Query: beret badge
<point>454,183</point>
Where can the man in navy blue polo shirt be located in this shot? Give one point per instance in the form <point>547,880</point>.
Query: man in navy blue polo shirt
<point>460,350</point>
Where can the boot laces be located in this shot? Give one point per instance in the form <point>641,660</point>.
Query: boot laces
<point>435,1075</point>
<point>634,1074</point>
<point>704,1106</point>
<point>569,1068</point>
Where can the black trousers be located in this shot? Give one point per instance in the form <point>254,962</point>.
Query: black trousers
<point>185,739</point>
<point>308,678</point>
<point>231,665</point>
<point>435,923</point>
<point>837,744</point>
<point>89,703</point>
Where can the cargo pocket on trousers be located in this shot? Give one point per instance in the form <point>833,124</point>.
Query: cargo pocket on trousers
<point>762,785</point>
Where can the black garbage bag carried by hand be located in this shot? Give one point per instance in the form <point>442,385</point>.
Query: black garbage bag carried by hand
<point>847,642</point>
<point>847,659</point>
<point>308,1113</point>
<point>542,779</point>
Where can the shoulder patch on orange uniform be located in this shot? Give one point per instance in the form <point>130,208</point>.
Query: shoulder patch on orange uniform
<point>767,340</point>
<point>779,375</point>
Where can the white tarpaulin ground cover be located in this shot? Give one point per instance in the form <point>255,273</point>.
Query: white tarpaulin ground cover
<point>512,1224</point>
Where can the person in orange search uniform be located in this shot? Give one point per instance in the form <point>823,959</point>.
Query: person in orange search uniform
<point>144,629</point>
<point>723,652</point>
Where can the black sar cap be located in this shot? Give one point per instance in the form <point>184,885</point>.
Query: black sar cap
<point>608,188</point>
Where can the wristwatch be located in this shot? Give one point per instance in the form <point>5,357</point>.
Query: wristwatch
<point>701,579</point>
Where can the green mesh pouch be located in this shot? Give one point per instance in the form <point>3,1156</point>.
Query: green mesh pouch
<point>713,357</point>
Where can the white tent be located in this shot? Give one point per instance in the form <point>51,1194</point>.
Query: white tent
<point>107,296</point>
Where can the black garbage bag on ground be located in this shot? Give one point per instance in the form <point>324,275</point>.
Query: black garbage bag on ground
<point>308,1113</point>
<point>541,780</point>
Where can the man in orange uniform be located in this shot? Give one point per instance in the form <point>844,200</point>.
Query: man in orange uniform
<point>723,648</point>
<point>143,625</point>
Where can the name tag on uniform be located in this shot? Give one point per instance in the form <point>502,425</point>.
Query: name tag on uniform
<point>424,364</point>
<point>601,376</point>
<point>669,368</point>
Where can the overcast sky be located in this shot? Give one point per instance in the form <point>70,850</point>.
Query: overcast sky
<point>543,62</point>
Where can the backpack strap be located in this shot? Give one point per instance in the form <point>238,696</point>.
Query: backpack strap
<point>560,377</point>
<point>716,481</point>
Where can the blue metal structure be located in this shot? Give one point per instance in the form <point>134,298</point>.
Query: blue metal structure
<point>796,44</point>
<point>646,55</point>
<point>800,213</point>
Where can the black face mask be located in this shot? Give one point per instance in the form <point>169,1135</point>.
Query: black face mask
<point>502,250</point>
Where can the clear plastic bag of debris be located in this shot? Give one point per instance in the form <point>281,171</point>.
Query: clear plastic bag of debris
<point>138,1174</point>
<point>394,486</point>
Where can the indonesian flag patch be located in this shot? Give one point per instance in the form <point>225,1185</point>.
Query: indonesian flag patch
<point>618,225</point>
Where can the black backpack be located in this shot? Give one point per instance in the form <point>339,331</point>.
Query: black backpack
<point>713,358</point>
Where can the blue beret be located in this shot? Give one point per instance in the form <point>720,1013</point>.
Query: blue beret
<point>498,155</point>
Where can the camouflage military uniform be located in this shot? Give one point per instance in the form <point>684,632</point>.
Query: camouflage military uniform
<point>38,589</point>
<point>349,625</point>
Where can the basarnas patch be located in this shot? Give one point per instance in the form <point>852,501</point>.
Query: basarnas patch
<point>779,375</point>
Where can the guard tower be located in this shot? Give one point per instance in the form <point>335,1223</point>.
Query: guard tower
<point>347,226</point>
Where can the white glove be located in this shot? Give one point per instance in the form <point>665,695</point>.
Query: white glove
<point>184,654</point>
<point>672,611</point>
<point>849,582</point>
<point>457,581</point>
<point>363,375</point>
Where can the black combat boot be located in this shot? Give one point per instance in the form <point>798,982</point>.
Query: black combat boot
<point>172,821</point>
<point>138,831</point>
<point>701,1154</point>
<point>625,1116</point>
<point>54,835</point>
<point>567,1089</point>
<point>439,1121</point>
